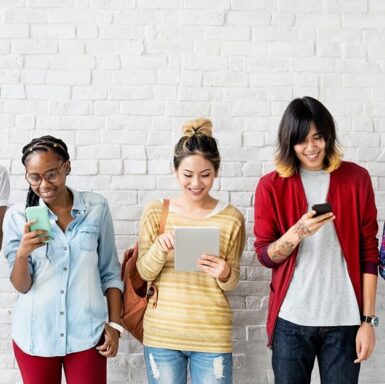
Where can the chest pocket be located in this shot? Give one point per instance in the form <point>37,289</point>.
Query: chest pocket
<point>88,238</point>
<point>39,254</point>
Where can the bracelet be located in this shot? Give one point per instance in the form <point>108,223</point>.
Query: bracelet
<point>117,327</point>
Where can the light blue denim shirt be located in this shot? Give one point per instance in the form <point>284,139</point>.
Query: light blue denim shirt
<point>65,309</point>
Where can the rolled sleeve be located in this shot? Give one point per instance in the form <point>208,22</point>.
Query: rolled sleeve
<point>371,268</point>
<point>109,266</point>
<point>14,220</point>
<point>266,259</point>
<point>113,284</point>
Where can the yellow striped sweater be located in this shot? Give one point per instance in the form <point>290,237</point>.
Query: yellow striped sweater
<point>192,313</point>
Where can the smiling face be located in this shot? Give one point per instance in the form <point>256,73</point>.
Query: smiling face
<point>47,163</point>
<point>311,152</point>
<point>196,175</point>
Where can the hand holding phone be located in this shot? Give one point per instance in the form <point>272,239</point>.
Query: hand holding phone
<point>307,226</point>
<point>321,209</point>
<point>40,215</point>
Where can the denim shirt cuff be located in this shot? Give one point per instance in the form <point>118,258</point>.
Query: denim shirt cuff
<point>113,284</point>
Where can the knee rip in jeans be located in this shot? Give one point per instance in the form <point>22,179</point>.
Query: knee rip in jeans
<point>218,367</point>
<point>154,368</point>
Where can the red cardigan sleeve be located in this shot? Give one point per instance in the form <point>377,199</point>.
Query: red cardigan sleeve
<point>265,225</point>
<point>369,228</point>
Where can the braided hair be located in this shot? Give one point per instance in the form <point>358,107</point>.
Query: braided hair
<point>43,144</point>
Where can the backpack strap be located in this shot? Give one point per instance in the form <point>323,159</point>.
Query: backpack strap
<point>163,215</point>
<point>153,289</point>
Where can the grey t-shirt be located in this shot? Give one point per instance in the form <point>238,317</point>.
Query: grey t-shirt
<point>321,292</point>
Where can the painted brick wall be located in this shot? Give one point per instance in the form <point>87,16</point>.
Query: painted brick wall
<point>117,78</point>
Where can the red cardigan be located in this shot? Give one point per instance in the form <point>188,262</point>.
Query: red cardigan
<point>280,203</point>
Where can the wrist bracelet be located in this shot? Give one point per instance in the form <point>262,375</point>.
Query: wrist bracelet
<point>117,327</point>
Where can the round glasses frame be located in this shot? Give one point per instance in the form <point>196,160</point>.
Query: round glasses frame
<point>35,179</point>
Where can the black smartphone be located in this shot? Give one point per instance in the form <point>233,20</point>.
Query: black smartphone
<point>320,209</point>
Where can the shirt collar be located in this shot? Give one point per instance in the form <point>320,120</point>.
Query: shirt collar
<point>77,206</point>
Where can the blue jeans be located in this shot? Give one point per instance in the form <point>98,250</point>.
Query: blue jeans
<point>295,348</point>
<point>166,366</point>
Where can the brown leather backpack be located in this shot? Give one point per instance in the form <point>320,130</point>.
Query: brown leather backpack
<point>136,295</point>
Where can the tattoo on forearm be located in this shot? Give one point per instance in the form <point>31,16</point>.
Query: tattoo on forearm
<point>281,251</point>
<point>301,230</point>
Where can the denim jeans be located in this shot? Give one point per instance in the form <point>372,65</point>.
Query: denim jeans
<point>295,348</point>
<point>166,366</point>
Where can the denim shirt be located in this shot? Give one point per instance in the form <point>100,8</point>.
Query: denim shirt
<point>64,311</point>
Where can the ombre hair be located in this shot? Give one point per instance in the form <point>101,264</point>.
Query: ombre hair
<point>295,126</point>
<point>197,140</point>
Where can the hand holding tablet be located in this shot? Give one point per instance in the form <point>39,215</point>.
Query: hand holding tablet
<point>166,241</point>
<point>214,266</point>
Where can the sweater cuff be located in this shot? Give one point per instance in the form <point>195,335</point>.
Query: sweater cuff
<point>266,260</point>
<point>371,268</point>
<point>231,282</point>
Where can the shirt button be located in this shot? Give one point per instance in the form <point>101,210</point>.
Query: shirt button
<point>62,313</point>
<point>62,335</point>
<point>65,248</point>
<point>65,268</point>
<point>62,291</point>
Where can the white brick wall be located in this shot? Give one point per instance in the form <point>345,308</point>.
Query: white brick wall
<point>117,78</point>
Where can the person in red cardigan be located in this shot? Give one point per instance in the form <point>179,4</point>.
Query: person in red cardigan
<point>324,267</point>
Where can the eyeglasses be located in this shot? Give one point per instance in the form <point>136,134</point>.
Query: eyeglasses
<point>51,176</point>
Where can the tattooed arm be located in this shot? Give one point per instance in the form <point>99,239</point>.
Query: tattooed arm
<point>282,248</point>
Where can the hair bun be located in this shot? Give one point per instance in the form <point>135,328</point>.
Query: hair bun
<point>199,126</point>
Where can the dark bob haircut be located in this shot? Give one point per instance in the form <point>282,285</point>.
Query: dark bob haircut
<point>295,126</point>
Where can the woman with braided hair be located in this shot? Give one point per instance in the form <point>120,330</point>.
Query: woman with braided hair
<point>191,325</point>
<point>60,316</point>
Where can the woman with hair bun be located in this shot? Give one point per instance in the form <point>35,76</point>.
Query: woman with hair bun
<point>60,317</point>
<point>191,324</point>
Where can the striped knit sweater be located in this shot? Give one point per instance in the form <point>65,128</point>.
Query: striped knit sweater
<point>192,313</point>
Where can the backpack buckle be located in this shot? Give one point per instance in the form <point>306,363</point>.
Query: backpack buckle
<point>150,291</point>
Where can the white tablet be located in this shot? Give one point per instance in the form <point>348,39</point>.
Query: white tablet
<point>191,243</point>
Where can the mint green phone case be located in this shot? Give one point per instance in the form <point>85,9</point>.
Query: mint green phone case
<point>40,214</point>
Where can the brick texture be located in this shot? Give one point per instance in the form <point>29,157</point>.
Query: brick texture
<point>116,79</point>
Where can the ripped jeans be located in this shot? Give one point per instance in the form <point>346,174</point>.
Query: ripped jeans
<point>165,366</point>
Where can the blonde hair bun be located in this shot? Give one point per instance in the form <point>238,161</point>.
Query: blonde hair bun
<point>199,126</point>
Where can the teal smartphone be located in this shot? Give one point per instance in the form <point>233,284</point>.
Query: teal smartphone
<point>40,214</point>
